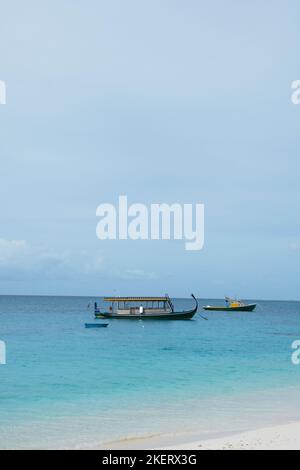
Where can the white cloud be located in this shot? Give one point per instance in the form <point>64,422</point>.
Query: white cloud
<point>135,274</point>
<point>10,250</point>
<point>295,246</point>
<point>19,260</point>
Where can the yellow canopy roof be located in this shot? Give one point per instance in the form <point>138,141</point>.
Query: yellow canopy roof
<point>136,299</point>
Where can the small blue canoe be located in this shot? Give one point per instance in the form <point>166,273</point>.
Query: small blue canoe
<point>96,325</point>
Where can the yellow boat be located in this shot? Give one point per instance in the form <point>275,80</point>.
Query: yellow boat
<point>232,306</point>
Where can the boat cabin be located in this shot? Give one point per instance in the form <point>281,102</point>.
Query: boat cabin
<point>139,305</point>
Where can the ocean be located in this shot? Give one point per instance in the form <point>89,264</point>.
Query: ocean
<point>65,386</point>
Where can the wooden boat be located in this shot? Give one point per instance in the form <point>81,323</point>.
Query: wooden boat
<point>232,306</point>
<point>96,325</point>
<point>143,308</point>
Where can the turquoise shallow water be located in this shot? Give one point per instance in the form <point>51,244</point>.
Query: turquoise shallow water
<point>67,386</point>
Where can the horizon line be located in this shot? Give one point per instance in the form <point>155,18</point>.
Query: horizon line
<point>102,296</point>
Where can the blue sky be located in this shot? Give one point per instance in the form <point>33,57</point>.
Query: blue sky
<point>164,101</point>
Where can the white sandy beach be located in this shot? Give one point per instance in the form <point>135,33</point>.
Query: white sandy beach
<point>279,437</point>
<point>282,437</point>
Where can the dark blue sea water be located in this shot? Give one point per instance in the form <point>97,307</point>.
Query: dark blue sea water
<point>67,386</point>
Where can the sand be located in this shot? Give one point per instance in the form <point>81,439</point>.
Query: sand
<point>283,437</point>
<point>277,437</point>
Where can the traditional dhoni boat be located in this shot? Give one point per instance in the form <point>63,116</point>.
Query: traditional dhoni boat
<point>232,306</point>
<point>142,308</point>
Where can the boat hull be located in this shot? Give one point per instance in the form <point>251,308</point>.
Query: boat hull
<point>96,325</point>
<point>170,315</point>
<point>241,308</point>
<point>149,316</point>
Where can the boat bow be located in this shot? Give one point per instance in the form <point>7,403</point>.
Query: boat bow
<point>197,305</point>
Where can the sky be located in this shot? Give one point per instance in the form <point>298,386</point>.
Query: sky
<point>162,101</point>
